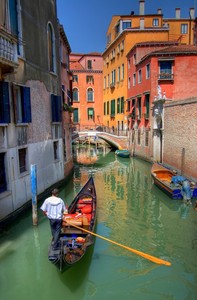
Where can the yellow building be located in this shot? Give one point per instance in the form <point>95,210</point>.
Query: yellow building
<point>123,33</point>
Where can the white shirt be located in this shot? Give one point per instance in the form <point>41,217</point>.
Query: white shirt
<point>54,207</point>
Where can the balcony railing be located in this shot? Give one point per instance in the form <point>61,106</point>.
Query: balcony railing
<point>165,76</point>
<point>8,51</point>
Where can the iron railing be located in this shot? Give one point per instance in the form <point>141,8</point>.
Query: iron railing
<point>99,128</point>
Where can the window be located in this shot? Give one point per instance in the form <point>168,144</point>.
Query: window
<point>12,21</point>
<point>104,83</point>
<point>118,106</point>
<point>129,83</point>
<point>155,22</point>
<point>122,46</point>
<point>122,105</point>
<point>122,71</point>
<point>90,95</point>
<point>22,157</point>
<point>109,39</point>
<point>113,78</point>
<point>184,28</point>
<point>108,80</point>
<point>56,108</point>
<point>75,78</point>
<point>134,59</point>
<point>89,79</point>
<point>138,136</point>
<point>107,107</point>
<point>4,102</point>
<point>51,48</point>
<point>134,79</point>
<point>146,138</point>
<point>22,100</point>
<point>90,113</point>
<point>126,24</point>
<point>113,108</point>
<point>129,63</point>
<point>147,71</point>
<point>117,28</point>
<point>3,183</point>
<point>105,111</point>
<point>139,108</point>
<point>56,150</point>
<point>147,106</point>
<point>118,49</point>
<point>75,95</point>
<point>139,76</point>
<point>118,74</point>
<point>76,115</point>
<point>165,70</point>
<point>89,64</point>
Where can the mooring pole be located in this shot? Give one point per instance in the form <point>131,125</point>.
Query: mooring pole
<point>182,161</point>
<point>34,194</point>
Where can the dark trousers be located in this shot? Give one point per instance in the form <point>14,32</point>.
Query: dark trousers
<point>55,230</point>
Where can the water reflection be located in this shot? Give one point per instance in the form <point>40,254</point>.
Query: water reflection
<point>132,212</point>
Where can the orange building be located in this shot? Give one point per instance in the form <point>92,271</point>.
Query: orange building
<point>123,33</point>
<point>87,90</point>
<point>167,73</point>
<point>66,82</point>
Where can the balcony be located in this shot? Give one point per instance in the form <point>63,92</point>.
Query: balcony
<point>112,85</point>
<point>8,52</point>
<point>165,76</point>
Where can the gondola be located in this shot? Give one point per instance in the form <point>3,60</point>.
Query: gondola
<point>122,153</point>
<point>74,242</point>
<point>171,183</point>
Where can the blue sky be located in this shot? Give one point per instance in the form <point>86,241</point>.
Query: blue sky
<point>86,21</point>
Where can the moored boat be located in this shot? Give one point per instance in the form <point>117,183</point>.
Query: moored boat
<point>74,242</point>
<point>175,186</point>
<point>123,153</point>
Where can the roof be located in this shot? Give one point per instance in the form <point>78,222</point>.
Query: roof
<point>64,37</point>
<point>173,50</point>
<point>180,49</point>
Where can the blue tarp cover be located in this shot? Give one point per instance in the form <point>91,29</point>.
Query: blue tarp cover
<point>178,179</point>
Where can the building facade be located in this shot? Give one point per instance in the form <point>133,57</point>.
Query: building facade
<point>123,33</point>
<point>87,90</point>
<point>31,128</point>
<point>66,82</point>
<point>159,79</point>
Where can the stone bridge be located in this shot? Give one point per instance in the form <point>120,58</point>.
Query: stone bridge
<point>118,142</point>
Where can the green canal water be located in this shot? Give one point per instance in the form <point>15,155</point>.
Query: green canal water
<point>132,212</point>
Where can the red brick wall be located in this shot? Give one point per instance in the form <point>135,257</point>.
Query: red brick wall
<point>180,131</point>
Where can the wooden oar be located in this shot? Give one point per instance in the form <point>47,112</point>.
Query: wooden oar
<point>145,255</point>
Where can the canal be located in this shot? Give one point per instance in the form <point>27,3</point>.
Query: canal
<point>132,212</point>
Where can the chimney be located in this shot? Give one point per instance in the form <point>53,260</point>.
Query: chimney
<point>142,7</point>
<point>178,13</point>
<point>141,23</point>
<point>191,13</point>
<point>159,11</point>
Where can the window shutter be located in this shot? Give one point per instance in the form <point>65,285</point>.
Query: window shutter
<point>53,112</point>
<point>4,102</point>
<point>56,108</point>
<point>75,116</point>
<point>59,108</point>
<point>113,108</point>
<point>26,100</point>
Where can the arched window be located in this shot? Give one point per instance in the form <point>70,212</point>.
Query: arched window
<point>75,95</point>
<point>51,48</point>
<point>90,95</point>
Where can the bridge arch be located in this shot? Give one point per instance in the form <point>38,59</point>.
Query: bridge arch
<point>117,142</point>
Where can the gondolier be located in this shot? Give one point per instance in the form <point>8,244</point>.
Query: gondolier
<point>53,207</point>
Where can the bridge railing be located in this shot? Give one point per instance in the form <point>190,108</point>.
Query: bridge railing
<point>111,130</point>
